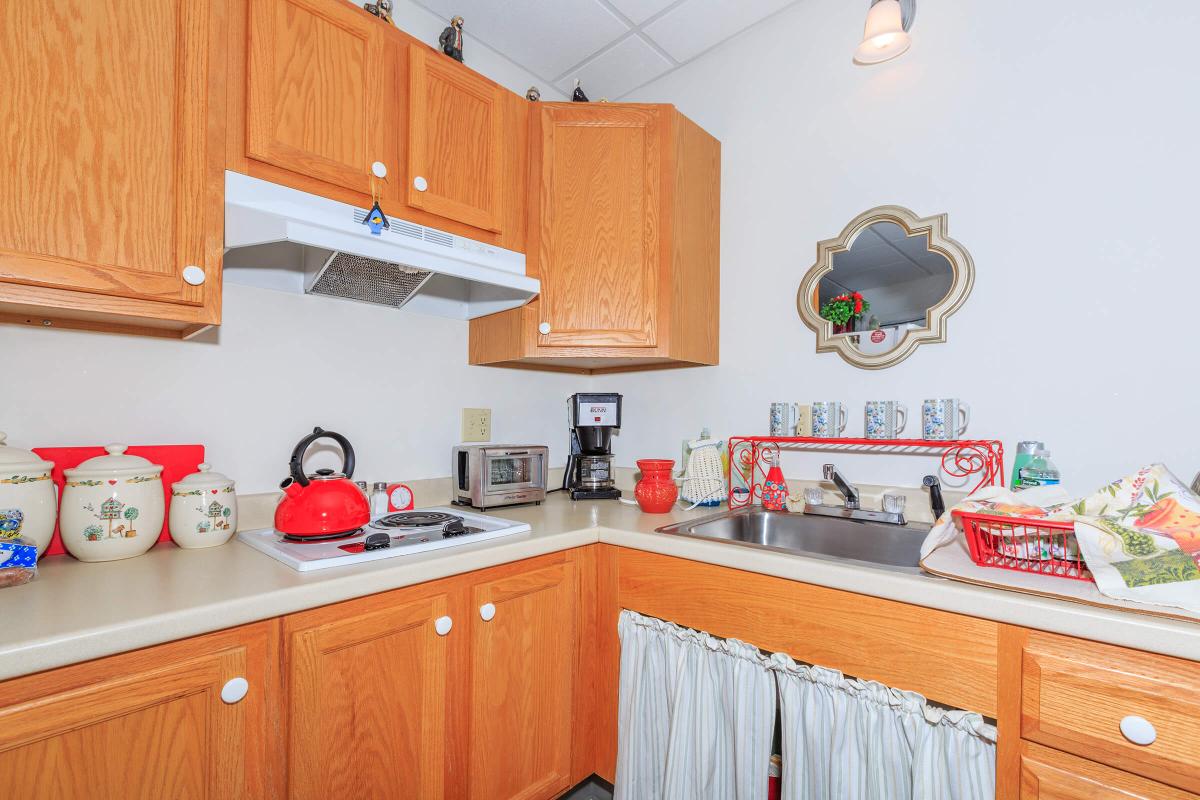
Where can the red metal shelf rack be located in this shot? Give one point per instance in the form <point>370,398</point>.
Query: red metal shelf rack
<point>750,457</point>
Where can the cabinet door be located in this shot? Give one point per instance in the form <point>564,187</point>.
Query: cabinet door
<point>110,141</point>
<point>455,140</point>
<point>598,244</point>
<point>522,665</point>
<point>367,695</point>
<point>1050,775</point>
<point>318,81</point>
<point>150,724</point>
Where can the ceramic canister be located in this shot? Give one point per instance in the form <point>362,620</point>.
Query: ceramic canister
<point>27,503</point>
<point>112,506</point>
<point>203,509</point>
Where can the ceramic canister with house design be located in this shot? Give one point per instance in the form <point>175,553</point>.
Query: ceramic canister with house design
<point>112,506</point>
<point>203,509</point>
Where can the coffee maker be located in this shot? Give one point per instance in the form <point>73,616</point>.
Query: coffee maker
<point>592,419</point>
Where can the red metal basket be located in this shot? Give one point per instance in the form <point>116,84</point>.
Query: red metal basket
<point>1041,546</point>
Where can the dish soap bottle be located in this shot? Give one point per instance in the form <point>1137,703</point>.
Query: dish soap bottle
<point>775,491</point>
<point>1025,453</point>
<point>1040,471</point>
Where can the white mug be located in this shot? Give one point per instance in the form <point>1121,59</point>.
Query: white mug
<point>783,418</point>
<point>884,419</point>
<point>944,418</point>
<point>828,419</point>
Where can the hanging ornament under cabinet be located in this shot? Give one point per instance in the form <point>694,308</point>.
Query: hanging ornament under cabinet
<point>376,220</point>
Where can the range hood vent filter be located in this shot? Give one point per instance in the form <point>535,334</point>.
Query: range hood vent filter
<point>368,280</point>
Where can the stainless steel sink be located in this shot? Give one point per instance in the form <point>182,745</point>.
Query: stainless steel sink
<point>893,547</point>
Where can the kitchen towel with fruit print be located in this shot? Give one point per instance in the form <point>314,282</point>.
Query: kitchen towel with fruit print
<point>1140,537</point>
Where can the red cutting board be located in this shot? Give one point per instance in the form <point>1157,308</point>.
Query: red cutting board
<point>177,460</point>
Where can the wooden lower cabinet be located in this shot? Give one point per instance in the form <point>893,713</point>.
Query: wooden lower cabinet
<point>1051,775</point>
<point>502,684</point>
<point>367,697</point>
<point>148,724</point>
<point>523,640</point>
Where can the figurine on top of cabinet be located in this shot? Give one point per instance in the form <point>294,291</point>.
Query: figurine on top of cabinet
<point>533,94</point>
<point>451,39</point>
<point>381,9</point>
<point>578,96</point>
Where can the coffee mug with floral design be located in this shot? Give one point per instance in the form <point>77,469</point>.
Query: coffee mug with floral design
<point>944,418</point>
<point>828,419</point>
<point>884,419</point>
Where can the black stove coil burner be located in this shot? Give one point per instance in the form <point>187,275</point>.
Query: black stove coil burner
<point>415,519</point>
<point>324,537</point>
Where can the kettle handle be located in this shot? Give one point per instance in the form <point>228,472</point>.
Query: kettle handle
<point>296,465</point>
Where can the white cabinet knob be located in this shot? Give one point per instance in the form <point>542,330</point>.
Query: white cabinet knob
<point>1138,730</point>
<point>420,184</point>
<point>234,690</point>
<point>443,625</point>
<point>379,169</point>
<point>544,328</point>
<point>193,274</point>
<point>487,611</point>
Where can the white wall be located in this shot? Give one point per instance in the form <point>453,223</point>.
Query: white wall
<point>1060,139</point>
<point>394,382</point>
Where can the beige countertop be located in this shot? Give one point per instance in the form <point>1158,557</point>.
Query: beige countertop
<point>76,611</point>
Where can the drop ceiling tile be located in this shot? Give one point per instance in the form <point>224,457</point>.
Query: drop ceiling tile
<point>694,26</point>
<point>615,72</point>
<point>640,10</point>
<point>547,37</point>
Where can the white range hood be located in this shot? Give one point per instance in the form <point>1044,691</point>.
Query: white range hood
<point>285,239</point>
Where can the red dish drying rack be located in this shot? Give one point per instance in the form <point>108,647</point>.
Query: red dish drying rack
<point>1007,542</point>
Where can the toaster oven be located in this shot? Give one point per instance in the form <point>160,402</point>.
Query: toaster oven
<point>486,476</point>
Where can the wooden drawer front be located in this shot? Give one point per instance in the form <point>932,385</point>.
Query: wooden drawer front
<point>1074,695</point>
<point>1050,775</point>
<point>948,658</point>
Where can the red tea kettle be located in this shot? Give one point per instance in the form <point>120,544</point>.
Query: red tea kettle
<point>325,504</point>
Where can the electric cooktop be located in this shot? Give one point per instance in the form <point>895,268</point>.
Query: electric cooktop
<point>394,534</point>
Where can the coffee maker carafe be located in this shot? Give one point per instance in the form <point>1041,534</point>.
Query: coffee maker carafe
<point>592,419</point>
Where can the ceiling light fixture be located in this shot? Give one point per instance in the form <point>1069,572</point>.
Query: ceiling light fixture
<point>885,35</point>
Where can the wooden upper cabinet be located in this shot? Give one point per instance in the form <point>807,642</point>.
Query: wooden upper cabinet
<point>624,234</point>
<point>367,698</point>
<point>111,144</point>
<point>599,227</point>
<point>148,724</point>
<point>523,640</point>
<point>318,81</point>
<point>455,140</point>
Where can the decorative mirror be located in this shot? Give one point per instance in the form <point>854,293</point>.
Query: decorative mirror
<point>885,286</point>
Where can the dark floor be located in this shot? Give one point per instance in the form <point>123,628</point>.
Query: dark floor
<point>592,789</point>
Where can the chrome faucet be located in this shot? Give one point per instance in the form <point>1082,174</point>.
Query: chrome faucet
<point>848,491</point>
<point>850,509</point>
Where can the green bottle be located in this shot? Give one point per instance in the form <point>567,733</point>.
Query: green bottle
<point>1025,453</point>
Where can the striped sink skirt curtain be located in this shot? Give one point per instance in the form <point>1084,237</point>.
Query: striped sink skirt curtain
<point>697,716</point>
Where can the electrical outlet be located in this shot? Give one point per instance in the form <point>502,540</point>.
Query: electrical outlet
<point>477,425</point>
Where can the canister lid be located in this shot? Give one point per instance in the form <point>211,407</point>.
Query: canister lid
<point>117,463</point>
<point>14,459</point>
<point>205,478</point>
